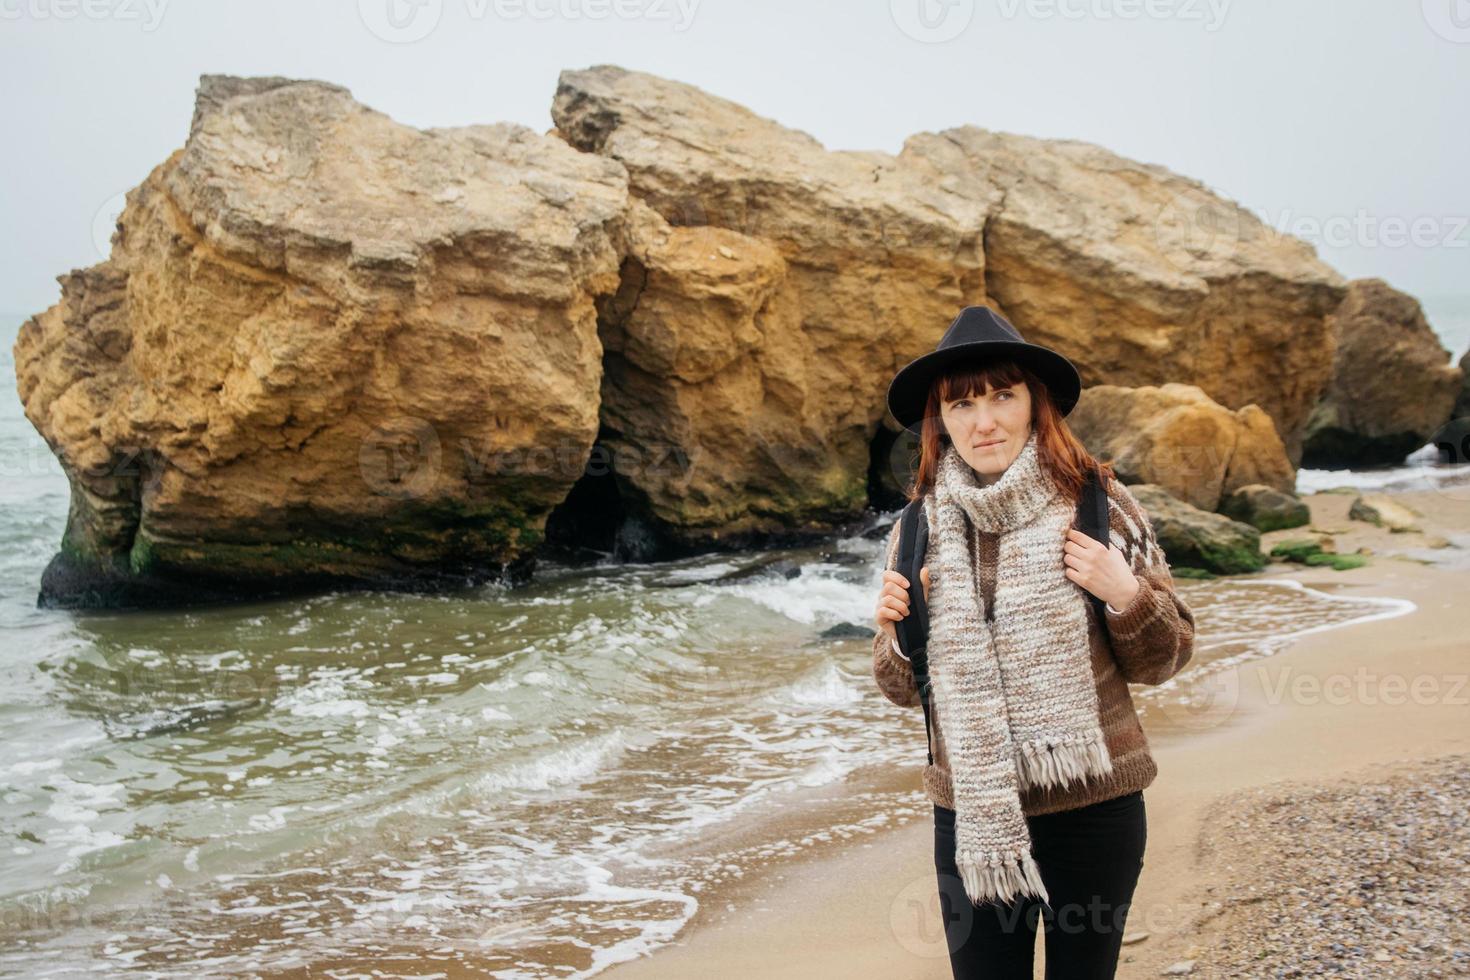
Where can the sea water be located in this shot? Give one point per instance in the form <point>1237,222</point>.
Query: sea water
<point>536,782</point>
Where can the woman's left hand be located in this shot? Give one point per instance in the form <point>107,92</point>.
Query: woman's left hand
<point>1100,569</point>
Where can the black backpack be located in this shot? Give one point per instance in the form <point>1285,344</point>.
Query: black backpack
<point>913,544</point>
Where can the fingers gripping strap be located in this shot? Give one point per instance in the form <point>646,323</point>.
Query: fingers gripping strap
<point>1093,518</point>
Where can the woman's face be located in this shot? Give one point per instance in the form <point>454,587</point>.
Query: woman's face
<point>989,430</point>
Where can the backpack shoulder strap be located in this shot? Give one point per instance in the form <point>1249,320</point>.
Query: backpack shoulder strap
<point>913,545</point>
<point>913,629</point>
<point>1092,520</point>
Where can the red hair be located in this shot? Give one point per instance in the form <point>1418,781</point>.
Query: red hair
<point>1061,454</point>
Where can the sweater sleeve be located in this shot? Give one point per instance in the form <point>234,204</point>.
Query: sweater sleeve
<point>1153,635</point>
<point>891,669</point>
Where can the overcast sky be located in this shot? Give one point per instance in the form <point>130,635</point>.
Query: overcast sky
<point>1344,115</point>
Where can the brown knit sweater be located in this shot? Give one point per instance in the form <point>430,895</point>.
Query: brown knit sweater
<point>1147,642</point>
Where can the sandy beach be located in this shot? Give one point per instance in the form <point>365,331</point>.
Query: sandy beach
<point>1317,815</point>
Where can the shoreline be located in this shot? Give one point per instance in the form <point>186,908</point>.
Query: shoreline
<point>1334,707</point>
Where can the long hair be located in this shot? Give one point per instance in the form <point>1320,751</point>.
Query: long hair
<point>1061,454</point>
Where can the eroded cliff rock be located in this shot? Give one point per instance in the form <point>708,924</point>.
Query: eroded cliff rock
<point>1140,275</point>
<point>326,345</point>
<point>806,277</point>
<point>1393,385</point>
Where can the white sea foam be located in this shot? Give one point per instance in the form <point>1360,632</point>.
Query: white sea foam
<point>1419,471</point>
<point>824,687</point>
<point>651,933</point>
<point>819,596</point>
<point>568,765</point>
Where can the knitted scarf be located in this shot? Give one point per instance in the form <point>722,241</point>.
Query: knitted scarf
<point>1015,696</point>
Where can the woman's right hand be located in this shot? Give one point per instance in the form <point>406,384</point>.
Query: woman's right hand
<point>893,600</point>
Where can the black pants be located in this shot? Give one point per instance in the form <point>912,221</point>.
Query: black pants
<point>1090,858</point>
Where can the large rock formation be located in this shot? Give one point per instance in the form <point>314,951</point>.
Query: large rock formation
<point>769,296</point>
<point>330,346</point>
<point>707,399</point>
<point>1177,437</point>
<point>1393,384</point>
<point>326,345</point>
<point>1140,275</point>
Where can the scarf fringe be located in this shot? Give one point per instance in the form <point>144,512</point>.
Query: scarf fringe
<point>999,875</point>
<point>1046,762</point>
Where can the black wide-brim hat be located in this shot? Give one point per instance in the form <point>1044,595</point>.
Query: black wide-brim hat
<point>979,333</point>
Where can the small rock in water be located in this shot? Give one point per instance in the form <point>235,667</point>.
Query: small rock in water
<point>843,631</point>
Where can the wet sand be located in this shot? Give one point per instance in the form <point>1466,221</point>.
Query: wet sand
<point>1341,708</point>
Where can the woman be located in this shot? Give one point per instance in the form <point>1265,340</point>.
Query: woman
<point>1039,759</point>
